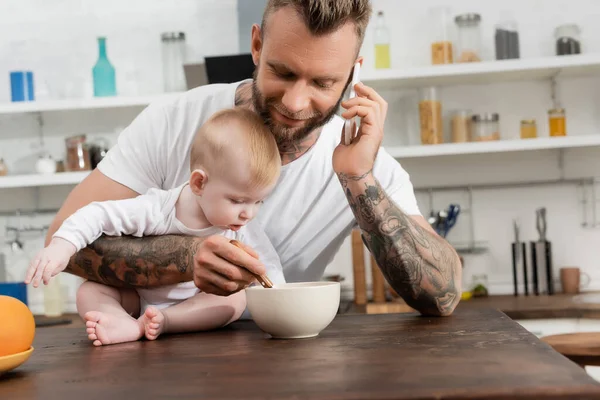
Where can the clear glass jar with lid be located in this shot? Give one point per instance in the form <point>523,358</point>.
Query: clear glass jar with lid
<point>568,39</point>
<point>469,37</point>
<point>528,129</point>
<point>486,127</point>
<point>557,122</point>
<point>441,35</point>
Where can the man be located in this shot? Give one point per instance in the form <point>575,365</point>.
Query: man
<point>304,52</point>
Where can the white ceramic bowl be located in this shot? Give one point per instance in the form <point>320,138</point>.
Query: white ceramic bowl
<point>294,310</point>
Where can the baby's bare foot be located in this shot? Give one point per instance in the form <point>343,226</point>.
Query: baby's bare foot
<point>154,322</point>
<point>103,329</point>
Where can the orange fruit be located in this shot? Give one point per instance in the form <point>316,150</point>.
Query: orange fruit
<point>17,326</point>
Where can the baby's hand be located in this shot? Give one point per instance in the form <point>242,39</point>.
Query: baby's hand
<point>50,261</point>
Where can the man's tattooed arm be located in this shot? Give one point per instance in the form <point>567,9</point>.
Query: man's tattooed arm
<point>419,265</point>
<point>137,262</point>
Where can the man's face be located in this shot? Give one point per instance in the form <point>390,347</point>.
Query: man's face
<point>300,78</point>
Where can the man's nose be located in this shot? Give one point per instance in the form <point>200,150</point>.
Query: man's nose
<point>296,97</point>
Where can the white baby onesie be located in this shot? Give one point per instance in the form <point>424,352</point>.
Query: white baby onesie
<point>153,214</point>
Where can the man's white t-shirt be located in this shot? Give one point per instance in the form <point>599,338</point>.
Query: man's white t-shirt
<point>307,216</point>
<point>153,214</point>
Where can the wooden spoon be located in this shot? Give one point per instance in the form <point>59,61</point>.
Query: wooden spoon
<point>262,279</point>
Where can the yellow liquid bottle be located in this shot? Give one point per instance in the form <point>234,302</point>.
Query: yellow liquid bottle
<point>382,43</point>
<point>382,56</point>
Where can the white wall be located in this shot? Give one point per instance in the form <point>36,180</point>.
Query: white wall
<point>60,44</point>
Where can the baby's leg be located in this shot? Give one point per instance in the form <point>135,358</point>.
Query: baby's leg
<point>199,313</point>
<point>108,313</point>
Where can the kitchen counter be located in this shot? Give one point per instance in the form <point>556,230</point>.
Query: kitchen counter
<point>475,354</point>
<point>521,307</point>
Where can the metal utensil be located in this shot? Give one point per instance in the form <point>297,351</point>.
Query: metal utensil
<point>453,211</point>
<point>541,223</point>
<point>262,279</point>
<point>516,257</point>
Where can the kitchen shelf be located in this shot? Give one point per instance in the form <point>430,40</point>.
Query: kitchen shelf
<point>500,146</point>
<point>485,72</point>
<point>82,104</point>
<point>37,180</point>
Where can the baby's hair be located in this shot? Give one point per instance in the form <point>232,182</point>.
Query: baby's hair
<point>232,135</point>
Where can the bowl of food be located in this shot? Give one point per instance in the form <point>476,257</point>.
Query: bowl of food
<point>294,310</point>
<point>17,331</point>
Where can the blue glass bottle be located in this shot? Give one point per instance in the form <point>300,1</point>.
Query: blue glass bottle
<point>104,73</point>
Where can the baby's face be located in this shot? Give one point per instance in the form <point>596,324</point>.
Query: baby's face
<point>230,204</point>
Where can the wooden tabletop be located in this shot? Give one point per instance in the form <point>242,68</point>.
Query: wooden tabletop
<point>474,354</point>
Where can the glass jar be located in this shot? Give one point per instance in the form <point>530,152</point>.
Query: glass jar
<point>469,37</point>
<point>461,126</point>
<point>507,41</point>
<point>557,122</point>
<point>3,168</point>
<point>78,155</point>
<point>528,129</point>
<point>441,41</point>
<point>173,58</point>
<point>430,116</point>
<point>568,39</point>
<point>486,127</point>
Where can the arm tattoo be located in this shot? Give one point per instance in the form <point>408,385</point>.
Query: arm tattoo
<point>420,266</point>
<point>137,262</point>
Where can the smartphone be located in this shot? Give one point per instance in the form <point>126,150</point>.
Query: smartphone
<point>349,133</point>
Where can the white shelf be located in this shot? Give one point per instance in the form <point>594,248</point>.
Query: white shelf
<point>501,146</point>
<point>485,72</point>
<point>36,180</point>
<point>82,104</point>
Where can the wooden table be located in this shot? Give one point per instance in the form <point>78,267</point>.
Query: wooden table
<point>475,354</point>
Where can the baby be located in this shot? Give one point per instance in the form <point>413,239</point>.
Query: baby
<point>235,164</point>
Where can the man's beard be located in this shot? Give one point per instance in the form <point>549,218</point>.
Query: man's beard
<point>286,136</point>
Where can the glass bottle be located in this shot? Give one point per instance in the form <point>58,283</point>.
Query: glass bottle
<point>173,58</point>
<point>104,73</point>
<point>382,43</point>
<point>441,41</point>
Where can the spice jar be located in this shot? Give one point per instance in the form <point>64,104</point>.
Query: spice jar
<point>486,127</point>
<point>441,45</point>
<point>461,126</point>
<point>469,37</point>
<point>528,129</point>
<point>430,117</point>
<point>78,156</point>
<point>568,40</point>
<point>557,122</point>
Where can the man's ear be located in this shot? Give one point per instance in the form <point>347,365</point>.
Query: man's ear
<point>256,43</point>
<point>198,181</point>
